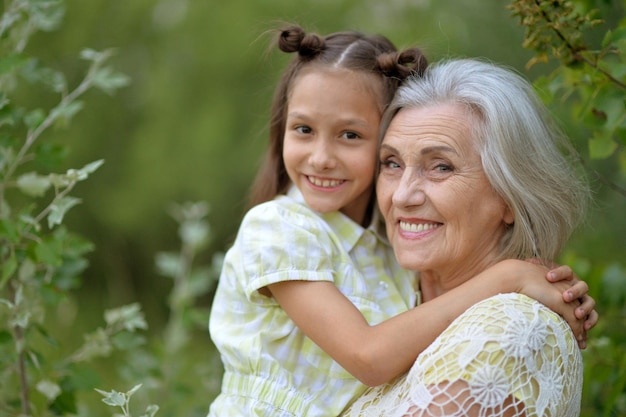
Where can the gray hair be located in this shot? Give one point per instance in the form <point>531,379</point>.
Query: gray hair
<point>521,149</point>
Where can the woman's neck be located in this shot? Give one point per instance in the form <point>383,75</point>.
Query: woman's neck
<point>434,283</point>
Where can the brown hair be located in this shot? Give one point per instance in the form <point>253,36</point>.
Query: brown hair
<point>348,50</point>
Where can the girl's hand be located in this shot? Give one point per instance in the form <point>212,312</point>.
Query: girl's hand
<point>559,292</point>
<point>577,291</point>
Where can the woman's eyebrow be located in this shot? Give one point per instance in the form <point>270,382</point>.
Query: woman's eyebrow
<point>440,148</point>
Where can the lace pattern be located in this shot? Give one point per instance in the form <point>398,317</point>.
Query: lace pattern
<point>506,356</point>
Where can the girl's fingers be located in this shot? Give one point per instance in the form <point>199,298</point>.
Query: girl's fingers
<point>561,273</point>
<point>591,320</point>
<point>579,290</point>
<point>586,308</point>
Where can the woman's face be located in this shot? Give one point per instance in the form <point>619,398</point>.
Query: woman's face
<point>441,212</point>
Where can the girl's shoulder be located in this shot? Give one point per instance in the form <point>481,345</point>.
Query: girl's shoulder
<point>285,221</point>
<point>284,210</point>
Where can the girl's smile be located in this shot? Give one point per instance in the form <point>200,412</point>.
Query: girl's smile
<point>331,138</point>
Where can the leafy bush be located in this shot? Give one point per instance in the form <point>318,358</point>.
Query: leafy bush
<point>41,261</point>
<point>588,87</point>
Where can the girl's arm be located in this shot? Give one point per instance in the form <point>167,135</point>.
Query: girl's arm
<point>376,354</point>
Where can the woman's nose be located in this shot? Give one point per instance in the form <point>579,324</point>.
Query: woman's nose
<point>409,190</point>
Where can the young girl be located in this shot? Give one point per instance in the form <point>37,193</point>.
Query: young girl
<point>311,305</point>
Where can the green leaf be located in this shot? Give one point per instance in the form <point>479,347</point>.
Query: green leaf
<point>47,252</point>
<point>50,155</point>
<point>34,118</point>
<point>151,410</point>
<point>65,404</point>
<point>46,15</point>
<point>33,185</point>
<point>10,62</point>
<point>21,319</point>
<point>612,36</point>
<point>90,168</point>
<point>113,398</point>
<point>75,175</point>
<point>194,233</point>
<point>168,264</point>
<point>52,79</point>
<point>8,115</point>
<point>133,390</point>
<point>130,316</point>
<point>63,113</point>
<point>9,266</point>
<point>109,81</point>
<point>59,208</point>
<point>602,145</point>
<point>93,55</point>
<point>5,337</point>
<point>127,341</point>
<point>27,270</point>
<point>9,231</point>
<point>96,344</point>
<point>83,377</point>
<point>49,389</point>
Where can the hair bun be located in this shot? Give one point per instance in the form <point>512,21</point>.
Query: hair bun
<point>294,39</point>
<point>402,64</point>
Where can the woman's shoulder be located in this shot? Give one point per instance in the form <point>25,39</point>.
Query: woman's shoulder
<point>517,307</point>
<point>517,322</point>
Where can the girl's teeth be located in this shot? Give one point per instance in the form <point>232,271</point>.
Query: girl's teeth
<point>324,183</point>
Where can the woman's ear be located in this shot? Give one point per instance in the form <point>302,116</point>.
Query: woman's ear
<point>508,217</point>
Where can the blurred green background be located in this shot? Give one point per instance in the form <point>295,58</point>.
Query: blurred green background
<point>193,123</point>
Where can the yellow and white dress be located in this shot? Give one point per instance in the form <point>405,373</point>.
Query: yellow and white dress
<point>508,355</point>
<point>271,367</point>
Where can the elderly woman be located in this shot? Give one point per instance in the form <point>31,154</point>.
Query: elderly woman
<point>471,174</point>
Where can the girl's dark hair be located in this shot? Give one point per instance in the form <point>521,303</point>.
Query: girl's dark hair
<point>348,50</point>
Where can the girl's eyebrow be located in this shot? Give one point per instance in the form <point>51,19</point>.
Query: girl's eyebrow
<point>350,121</point>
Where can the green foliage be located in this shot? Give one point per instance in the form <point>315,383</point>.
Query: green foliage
<point>41,261</point>
<point>588,87</point>
<point>590,79</point>
<point>122,400</point>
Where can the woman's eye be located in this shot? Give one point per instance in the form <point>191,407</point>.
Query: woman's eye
<point>443,167</point>
<point>305,130</point>
<point>387,163</point>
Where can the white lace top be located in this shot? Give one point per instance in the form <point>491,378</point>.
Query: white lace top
<point>506,356</point>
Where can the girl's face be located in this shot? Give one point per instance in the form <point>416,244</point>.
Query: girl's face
<point>330,140</point>
<point>442,214</point>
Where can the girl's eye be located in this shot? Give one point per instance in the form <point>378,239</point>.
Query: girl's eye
<point>351,135</point>
<point>305,130</point>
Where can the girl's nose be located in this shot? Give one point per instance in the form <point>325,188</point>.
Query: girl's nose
<point>409,191</point>
<point>322,156</point>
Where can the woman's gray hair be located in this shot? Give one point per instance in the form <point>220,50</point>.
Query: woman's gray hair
<point>521,147</point>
